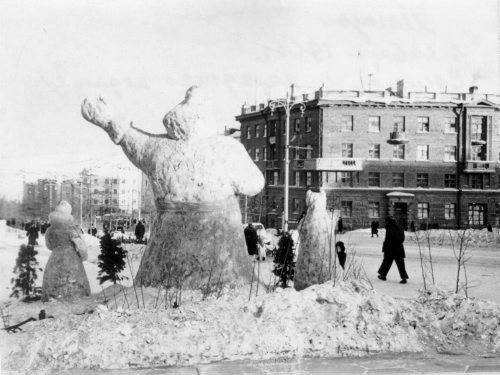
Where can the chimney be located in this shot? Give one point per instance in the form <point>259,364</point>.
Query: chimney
<point>473,90</point>
<point>400,88</point>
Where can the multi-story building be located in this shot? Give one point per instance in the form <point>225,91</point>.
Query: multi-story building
<point>422,157</point>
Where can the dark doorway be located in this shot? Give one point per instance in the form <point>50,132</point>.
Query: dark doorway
<point>401,214</point>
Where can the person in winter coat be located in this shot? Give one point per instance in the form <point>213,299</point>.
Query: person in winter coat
<point>252,239</point>
<point>32,235</point>
<point>139,231</point>
<point>340,226</point>
<point>374,227</point>
<point>393,250</point>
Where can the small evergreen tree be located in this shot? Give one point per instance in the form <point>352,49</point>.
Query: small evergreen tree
<point>111,260</point>
<point>283,261</point>
<point>25,268</point>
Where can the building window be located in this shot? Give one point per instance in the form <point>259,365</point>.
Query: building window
<point>346,178</point>
<point>257,154</point>
<point>374,124</point>
<point>264,153</point>
<point>115,181</point>
<point>308,178</point>
<point>450,153</point>
<point>450,181</point>
<point>249,132</point>
<point>297,125</point>
<point>308,152</point>
<point>346,208</point>
<point>257,131</point>
<point>450,125</point>
<point>477,128</point>
<point>308,124</point>
<point>374,151</point>
<point>276,177</point>
<point>115,201</point>
<point>106,181</point>
<point>272,129</point>
<point>106,201</point>
<point>296,205</point>
<point>399,123</point>
<point>296,178</point>
<point>449,211</point>
<point>478,152</point>
<point>115,191</point>
<point>422,152</point>
<point>398,152</point>
<point>96,201</point>
<point>476,214</point>
<point>476,181</point>
<point>422,211</point>
<point>423,180</point>
<point>272,152</point>
<point>373,179</point>
<point>347,150</point>
<point>374,210</point>
<point>264,130</point>
<point>347,124</point>
<point>398,180</point>
<point>423,124</point>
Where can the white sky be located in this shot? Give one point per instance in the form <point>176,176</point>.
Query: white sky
<point>143,55</point>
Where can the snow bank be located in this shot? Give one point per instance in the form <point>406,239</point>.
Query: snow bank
<point>440,237</point>
<point>348,319</point>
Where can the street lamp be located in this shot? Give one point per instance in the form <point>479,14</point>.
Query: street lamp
<point>287,104</point>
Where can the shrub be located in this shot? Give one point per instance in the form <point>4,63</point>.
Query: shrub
<point>26,268</point>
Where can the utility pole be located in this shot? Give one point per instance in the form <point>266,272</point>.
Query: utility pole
<point>287,104</point>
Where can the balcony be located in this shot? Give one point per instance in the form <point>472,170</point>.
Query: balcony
<point>329,164</point>
<point>397,138</point>
<point>272,164</point>
<point>474,166</point>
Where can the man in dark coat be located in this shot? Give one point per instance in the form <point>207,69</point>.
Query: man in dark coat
<point>374,227</point>
<point>251,239</point>
<point>140,230</point>
<point>393,250</point>
<point>32,235</point>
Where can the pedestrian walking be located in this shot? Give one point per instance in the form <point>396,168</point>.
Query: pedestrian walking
<point>374,227</point>
<point>251,239</point>
<point>340,249</point>
<point>140,229</point>
<point>32,234</point>
<point>340,226</point>
<point>93,230</point>
<point>393,250</point>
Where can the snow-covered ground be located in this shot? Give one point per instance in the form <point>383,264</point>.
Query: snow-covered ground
<point>350,318</point>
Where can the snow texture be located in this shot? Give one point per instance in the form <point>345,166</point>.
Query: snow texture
<point>195,175</point>
<point>64,276</point>
<point>316,258</point>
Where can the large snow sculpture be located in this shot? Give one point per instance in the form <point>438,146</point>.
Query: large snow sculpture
<point>317,249</point>
<point>64,276</point>
<point>197,237</point>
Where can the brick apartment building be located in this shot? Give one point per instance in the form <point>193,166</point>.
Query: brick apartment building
<point>423,157</point>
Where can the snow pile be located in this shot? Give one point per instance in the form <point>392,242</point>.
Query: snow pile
<point>452,321</point>
<point>440,237</point>
<point>348,319</point>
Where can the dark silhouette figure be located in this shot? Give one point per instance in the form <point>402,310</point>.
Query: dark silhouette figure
<point>412,226</point>
<point>393,250</point>
<point>488,226</point>
<point>251,239</point>
<point>32,235</point>
<point>340,248</point>
<point>374,226</point>
<point>140,229</point>
<point>340,226</point>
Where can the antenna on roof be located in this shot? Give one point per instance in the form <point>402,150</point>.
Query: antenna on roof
<point>360,73</point>
<point>370,81</point>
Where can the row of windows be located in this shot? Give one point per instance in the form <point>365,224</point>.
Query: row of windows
<point>261,130</point>
<point>399,124</point>
<point>303,179</point>
<point>305,152</point>
<point>115,201</point>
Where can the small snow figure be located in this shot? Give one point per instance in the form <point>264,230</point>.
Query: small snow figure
<point>64,276</point>
<point>340,249</point>
<point>316,243</point>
